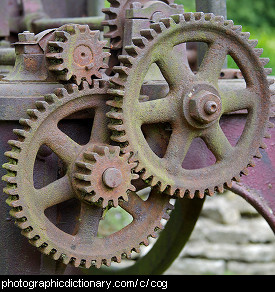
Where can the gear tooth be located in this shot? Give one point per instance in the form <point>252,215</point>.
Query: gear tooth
<point>238,29</point>
<point>107,262</point>
<point>33,113</point>
<point>154,234</point>
<point>41,105</point>
<point>209,16</point>
<point>229,184</point>
<point>121,70</point>
<point>91,156</point>
<point>17,214</point>
<point>60,92</point>
<point>116,92</point>
<point>268,71</point>
<point>56,45</point>
<point>20,133</point>
<point>253,43</point>
<point>158,27</point>
<point>132,50</point>
<point>126,60</point>
<point>258,154</point>
<point>11,191</point>
<point>140,42</point>
<point>258,52</point>
<point>237,177</point>
<point>81,176</point>
<point>252,163</point>
<point>162,188</point>
<point>210,192</point>
<point>50,98</point>
<point>115,115</point>
<point>199,194</point>
<point>245,171</point>
<point>264,61</point>
<point>166,216</point>
<point>190,194</point>
<point>15,143</point>
<point>25,122</point>
<point>177,18</point>
<point>119,128</point>
<point>181,193</point>
<point>245,35</point>
<point>12,154</point>
<point>220,189</point>
<point>262,146</point>
<point>10,167</point>
<point>270,125</point>
<point>229,23</point>
<point>267,135</point>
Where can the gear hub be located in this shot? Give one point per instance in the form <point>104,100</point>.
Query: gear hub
<point>101,175</point>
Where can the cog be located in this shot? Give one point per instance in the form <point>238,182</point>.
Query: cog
<point>76,52</point>
<point>82,247</point>
<point>104,176</point>
<point>115,20</point>
<point>194,105</point>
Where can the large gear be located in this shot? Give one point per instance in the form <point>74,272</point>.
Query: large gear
<point>82,247</point>
<point>194,104</point>
<point>103,175</point>
<point>115,20</point>
<point>76,52</point>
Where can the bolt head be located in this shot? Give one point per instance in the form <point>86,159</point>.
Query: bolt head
<point>112,177</point>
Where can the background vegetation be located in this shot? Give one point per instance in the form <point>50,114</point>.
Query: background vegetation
<point>256,17</point>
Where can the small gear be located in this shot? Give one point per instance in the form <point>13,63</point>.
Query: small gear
<point>115,19</point>
<point>194,105</point>
<point>103,176</point>
<point>76,52</point>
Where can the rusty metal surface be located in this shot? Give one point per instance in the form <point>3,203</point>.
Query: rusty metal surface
<point>155,125</point>
<point>188,92</point>
<point>76,52</point>
<point>115,19</point>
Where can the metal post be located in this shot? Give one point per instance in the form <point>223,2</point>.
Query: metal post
<point>217,7</point>
<point>94,7</point>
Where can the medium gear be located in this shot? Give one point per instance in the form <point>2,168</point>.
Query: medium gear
<point>115,19</point>
<point>76,52</point>
<point>194,104</point>
<point>28,204</point>
<point>103,176</point>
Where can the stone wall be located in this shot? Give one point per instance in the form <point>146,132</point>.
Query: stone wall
<point>229,238</point>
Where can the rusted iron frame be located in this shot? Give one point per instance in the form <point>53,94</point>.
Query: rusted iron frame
<point>94,23</point>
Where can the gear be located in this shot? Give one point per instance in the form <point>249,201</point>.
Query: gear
<point>115,20</point>
<point>104,176</point>
<point>194,104</point>
<point>76,52</point>
<point>82,247</point>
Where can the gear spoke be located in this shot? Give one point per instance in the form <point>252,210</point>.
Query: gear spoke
<point>62,145</point>
<point>134,206</point>
<point>100,131</point>
<point>179,145</point>
<point>157,111</point>
<point>176,73</point>
<point>89,218</point>
<point>238,100</point>
<point>213,62</point>
<point>54,193</point>
<point>217,142</point>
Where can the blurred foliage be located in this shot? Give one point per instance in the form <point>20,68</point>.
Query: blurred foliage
<point>257,17</point>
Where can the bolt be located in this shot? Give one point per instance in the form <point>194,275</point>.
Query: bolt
<point>112,177</point>
<point>26,37</point>
<point>210,107</point>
